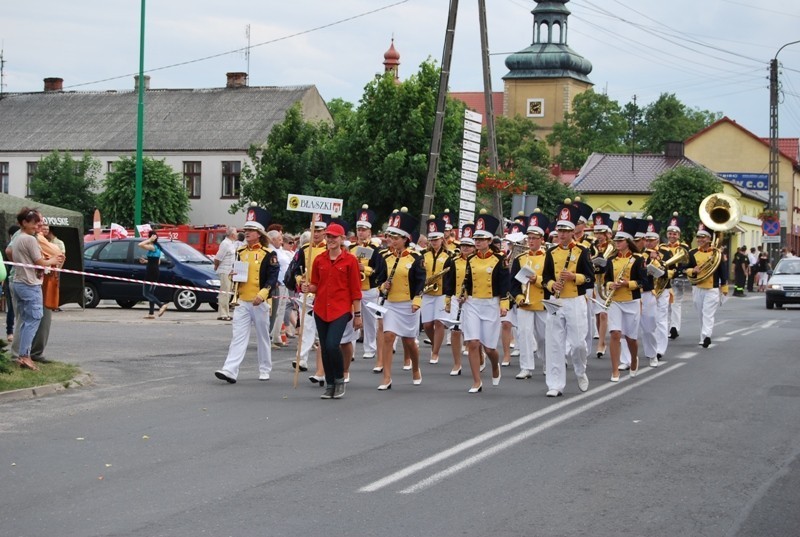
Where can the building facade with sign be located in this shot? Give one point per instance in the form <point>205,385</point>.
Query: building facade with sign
<point>741,157</point>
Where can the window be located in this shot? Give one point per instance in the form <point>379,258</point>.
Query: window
<point>115,252</point>
<point>31,172</point>
<point>231,172</point>
<point>110,166</point>
<point>4,177</point>
<point>191,178</point>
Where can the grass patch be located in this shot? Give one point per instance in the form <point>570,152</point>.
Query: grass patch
<point>50,373</point>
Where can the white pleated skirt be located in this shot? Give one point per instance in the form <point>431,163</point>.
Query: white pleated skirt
<point>400,320</point>
<point>480,319</point>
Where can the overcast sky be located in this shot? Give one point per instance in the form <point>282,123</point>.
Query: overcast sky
<point>713,54</point>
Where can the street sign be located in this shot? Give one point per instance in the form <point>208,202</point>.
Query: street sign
<point>770,239</point>
<point>473,116</point>
<point>771,228</point>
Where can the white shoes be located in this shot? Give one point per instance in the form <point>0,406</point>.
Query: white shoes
<point>583,382</point>
<point>515,352</point>
<point>654,362</point>
<point>553,393</point>
<point>455,372</point>
<point>496,380</point>
<point>368,356</point>
<point>263,376</point>
<point>623,367</point>
<point>524,374</point>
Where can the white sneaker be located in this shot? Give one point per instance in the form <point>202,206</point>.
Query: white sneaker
<point>515,352</point>
<point>654,362</point>
<point>553,393</point>
<point>623,367</point>
<point>524,374</point>
<point>368,356</point>
<point>263,376</point>
<point>583,382</point>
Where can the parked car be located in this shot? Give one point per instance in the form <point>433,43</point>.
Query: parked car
<point>783,286</point>
<point>180,264</point>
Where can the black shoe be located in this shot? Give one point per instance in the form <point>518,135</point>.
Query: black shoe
<point>302,367</point>
<point>673,333</point>
<point>41,359</point>
<point>328,393</point>
<point>706,342</point>
<point>222,375</point>
<point>658,356</point>
<point>338,389</point>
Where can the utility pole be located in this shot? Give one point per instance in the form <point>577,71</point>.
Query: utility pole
<point>438,124</point>
<point>774,159</point>
<point>137,204</point>
<point>497,206</point>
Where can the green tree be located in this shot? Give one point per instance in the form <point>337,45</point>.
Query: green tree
<point>668,119</point>
<point>681,189</point>
<point>595,124</point>
<point>517,143</point>
<point>296,159</point>
<point>65,182</point>
<point>384,148</point>
<point>164,198</point>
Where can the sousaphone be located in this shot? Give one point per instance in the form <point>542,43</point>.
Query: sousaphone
<point>720,213</point>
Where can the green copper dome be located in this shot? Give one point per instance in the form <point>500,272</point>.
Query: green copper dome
<point>549,56</point>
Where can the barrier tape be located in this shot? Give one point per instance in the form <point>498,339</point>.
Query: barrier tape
<point>118,278</point>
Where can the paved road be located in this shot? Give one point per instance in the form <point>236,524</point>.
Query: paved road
<point>705,445</point>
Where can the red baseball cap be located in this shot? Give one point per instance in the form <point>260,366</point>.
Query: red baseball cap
<point>335,230</point>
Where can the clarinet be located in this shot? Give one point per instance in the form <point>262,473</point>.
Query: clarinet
<point>385,293</point>
<point>462,296</point>
<point>557,294</point>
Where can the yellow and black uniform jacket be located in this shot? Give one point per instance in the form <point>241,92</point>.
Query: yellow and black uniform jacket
<point>436,262</point>
<point>575,259</point>
<point>262,271</point>
<point>534,261</point>
<point>719,279</point>
<point>454,279</point>
<point>407,276</point>
<point>674,249</point>
<point>626,267</point>
<point>589,245</point>
<point>664,253</point>
<point>487,277</point>
<point>303,256</point>
<point>374,265</point>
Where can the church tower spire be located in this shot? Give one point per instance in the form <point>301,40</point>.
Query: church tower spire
<point>391,61</point>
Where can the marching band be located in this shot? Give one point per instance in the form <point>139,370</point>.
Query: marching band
<point>555,289</point>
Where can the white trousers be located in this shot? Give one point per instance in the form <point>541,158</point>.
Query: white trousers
<point>566,338</point>
<point>369,321</point>
<point>279,303</point>
<point>590,323</point>
<point>648,324</point>
<point>678,292</point>
<point>531,334</point>
<point>309,330</point>
<point>662,323</point>
<point>224,296</point>
<point>706,302</point>
<point>246,315</point>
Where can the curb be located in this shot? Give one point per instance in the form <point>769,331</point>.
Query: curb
<point>84,379</point>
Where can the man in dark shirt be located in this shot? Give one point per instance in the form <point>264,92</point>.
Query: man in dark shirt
<point>741,266</point>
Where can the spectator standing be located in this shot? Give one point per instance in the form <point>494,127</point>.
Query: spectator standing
<point>153,260</point>
<point>27,282</point>
<point>223,265</point>
<point>7,293</point>
<point>763,271</point>
<point>752,259</point>
<point>741,266</point>
<point>51,246</point>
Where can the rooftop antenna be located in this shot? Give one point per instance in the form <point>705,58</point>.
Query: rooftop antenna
<point>633,136</point>
<point>2,71</point>
<point>247,50</point>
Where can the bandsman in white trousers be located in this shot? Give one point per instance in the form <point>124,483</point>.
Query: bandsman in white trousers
<point>706,292</point>
<point>531,315</point>
<point>585,213</point>
<point>656,330</point>
<point>602,232</point>
<point>253,296</point>
<point>567,269</point>
<point>373,274</point>
<point>678,284</point>
<point>625,278</point>
<point>304,257</point>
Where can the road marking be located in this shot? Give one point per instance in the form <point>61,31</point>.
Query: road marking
<point>722,339</point>
<point>491,451</point>
<point>458,448</point>
<point>686,355</point>
<point>739,330</point>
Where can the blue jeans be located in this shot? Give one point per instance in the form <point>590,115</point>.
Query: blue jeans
<point>330,338</point>
<point>149,292</point>
<point>31,310</point>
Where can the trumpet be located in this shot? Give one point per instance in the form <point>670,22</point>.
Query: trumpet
<point>599,287</point>
<point>661,282</point>
<point>432,283</point>
<point>235,299</point>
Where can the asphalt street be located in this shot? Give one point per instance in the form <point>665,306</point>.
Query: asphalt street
<point>705,445</point>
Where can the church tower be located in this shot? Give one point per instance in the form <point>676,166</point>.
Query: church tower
<point>391,61</point>
<point>544,78</point>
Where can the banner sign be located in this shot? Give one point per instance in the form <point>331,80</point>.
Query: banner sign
<point>750,181</point>
<point>314,204</point>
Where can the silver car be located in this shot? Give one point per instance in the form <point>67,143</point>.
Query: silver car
<point>783,286</point>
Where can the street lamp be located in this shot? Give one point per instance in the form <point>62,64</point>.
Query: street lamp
<point>774,187</point>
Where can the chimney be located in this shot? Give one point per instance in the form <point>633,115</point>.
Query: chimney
<point>136,82</point>
<point>236,80</point>
<point>53,84</point>
<point>673,149</point>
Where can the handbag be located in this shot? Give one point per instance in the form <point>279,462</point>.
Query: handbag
<point>50,291</point>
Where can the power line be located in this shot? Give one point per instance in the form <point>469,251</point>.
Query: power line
<point>248,48</point>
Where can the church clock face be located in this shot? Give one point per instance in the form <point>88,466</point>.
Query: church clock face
<point>535,108</point>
